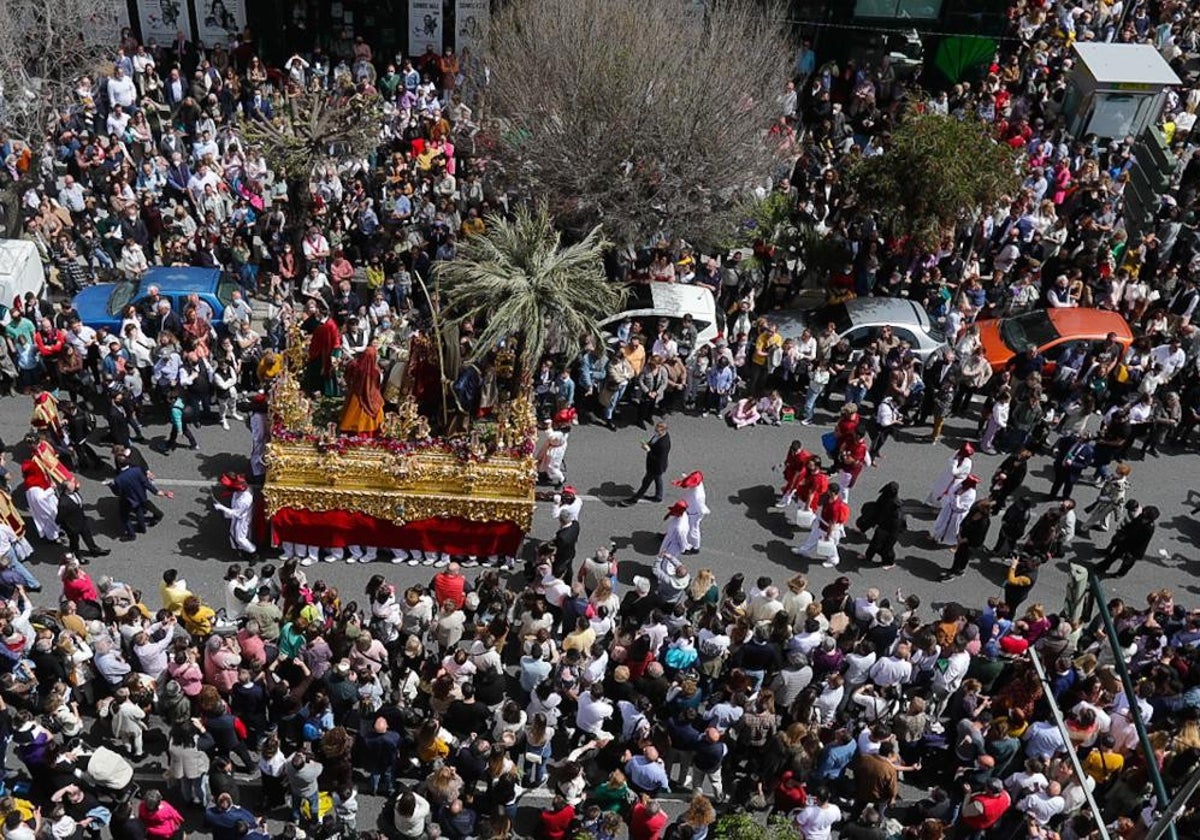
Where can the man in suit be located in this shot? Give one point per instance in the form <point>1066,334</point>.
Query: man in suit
<point>658,448</point>
<point>134,489</point>
<point>178,176</point>
<point>165,320</point>
<point>175,90</point>
<point>137,459</point>
<point>566,540</point>
<point>74,521</point>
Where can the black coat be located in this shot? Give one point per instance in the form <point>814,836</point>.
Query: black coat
<point>1133,538</point>
<point>657,456</point>
<point>974,529</point>
<point>71,515</point>
<point>566,539</point>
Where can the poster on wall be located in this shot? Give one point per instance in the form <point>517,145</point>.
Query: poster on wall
<point>471,25</point>
<point>218,20</point>
<point>162,19</point>
<point>424,26</point>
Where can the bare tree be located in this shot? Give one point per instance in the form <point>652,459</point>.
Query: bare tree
<point>315,127</point>
<point>45,46</point>
<point>644,116</point>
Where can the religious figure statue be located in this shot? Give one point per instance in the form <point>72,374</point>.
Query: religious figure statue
<point>362,413</point>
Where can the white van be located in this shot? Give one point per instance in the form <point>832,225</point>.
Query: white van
<point>650,302</point>
<point>21,271</point>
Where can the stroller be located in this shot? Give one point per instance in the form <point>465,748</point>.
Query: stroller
<point>108,772</point>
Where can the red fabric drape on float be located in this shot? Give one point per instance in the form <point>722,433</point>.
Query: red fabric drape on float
<point>340,528</point>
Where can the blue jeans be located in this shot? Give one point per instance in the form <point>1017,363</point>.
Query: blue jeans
<point>535,774</point>
<point>31,582</point>
<point>612,406</point>
<point>810,403</point>
<point>314,807</point>
<point>381,780</point>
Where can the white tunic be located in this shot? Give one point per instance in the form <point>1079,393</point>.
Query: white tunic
<point>43,505</point>
<point>239,512</point>
<point>954,509</point>
<point>953,472</point>
<point>696,511</point>
<point>675,542</point>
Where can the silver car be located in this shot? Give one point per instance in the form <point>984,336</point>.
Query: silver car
<point>860,319</point>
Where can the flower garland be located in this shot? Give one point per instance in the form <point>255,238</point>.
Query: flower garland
<point>458,447</point>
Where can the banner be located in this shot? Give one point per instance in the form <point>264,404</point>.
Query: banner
<point>471,19</point>
<point>424,26</point>
<point>216,20</point>
<point>162,19</point>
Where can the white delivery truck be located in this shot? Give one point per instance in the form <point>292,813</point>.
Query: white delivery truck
<point>21,271</point>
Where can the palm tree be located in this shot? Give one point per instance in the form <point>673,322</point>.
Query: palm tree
<point>517,279</point>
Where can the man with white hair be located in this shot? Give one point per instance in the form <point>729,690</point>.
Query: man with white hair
<point>673,579</point>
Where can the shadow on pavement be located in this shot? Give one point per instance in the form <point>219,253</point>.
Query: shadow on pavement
<point>610,493</point>
<point>641,542</point>
<point>756,500</point>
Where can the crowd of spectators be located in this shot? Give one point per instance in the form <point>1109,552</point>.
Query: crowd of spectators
<point>457,698</point>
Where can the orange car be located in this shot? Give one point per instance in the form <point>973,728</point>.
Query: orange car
<point>1050,330</point>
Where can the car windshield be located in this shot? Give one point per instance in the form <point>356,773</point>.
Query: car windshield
<point>120,297</point>
<point>1023,330</point>
<point>835,312</point>
<point>225,290</point>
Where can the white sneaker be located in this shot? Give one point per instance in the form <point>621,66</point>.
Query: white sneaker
<point>510,564</point>
<point>441,563</point>
<point>307,561</point>
<point>351,559</point>
<point>469,563</point>
<point>797,550</point>
<point>412,561</point>
<point>829,564</point>
<point>224,424</point>
<point>238,417</point>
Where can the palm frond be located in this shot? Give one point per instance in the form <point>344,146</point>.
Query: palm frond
<point>517,279</point>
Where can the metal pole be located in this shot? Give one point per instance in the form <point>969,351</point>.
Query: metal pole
<point>1167,820</point>
<point>1056,713</point>
<point>1135,713</point>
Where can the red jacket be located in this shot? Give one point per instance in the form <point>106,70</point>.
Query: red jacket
<point>646,826</point>
<point>984,810</point>
<point>556,823</point>
<point>450,588</point>
<point>52,344</point>
<point>162,822</point>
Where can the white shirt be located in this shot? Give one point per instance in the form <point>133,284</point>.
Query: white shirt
<point>891,671</point>
<point>816,822</point>
<point>592,714</point>
<point>122,91</point>
<point>1171,362</point>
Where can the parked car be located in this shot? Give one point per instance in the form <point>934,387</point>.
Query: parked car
<point>101,305</point>
<point>1052,331</point>
<point>651,302</point>
<point>859,321</point>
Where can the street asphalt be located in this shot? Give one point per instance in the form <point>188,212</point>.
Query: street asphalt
<point>741,535</point>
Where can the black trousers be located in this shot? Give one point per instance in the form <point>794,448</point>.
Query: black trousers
<point>84,534</point>
<point>651,478</point>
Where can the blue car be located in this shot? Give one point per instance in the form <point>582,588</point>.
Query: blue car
<point>102,305</point>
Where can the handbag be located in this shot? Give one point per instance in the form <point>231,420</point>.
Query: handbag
<point>829,441</point>
<point>805,517</point>
<point>826,549</point>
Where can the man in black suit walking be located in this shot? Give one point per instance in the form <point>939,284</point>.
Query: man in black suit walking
<point>133,488</point>
<point>658,448</point>
<point>75,523</point>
